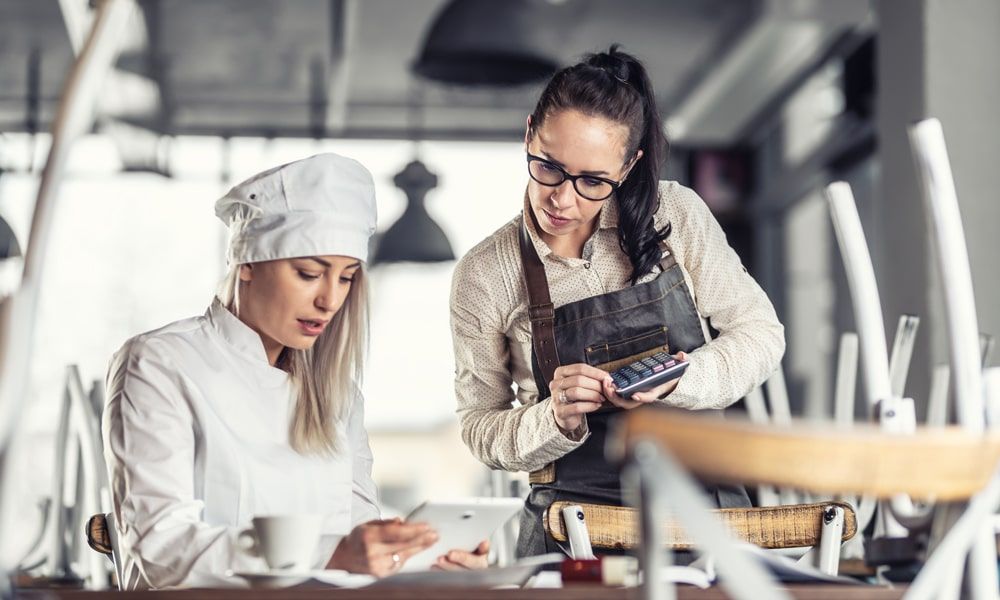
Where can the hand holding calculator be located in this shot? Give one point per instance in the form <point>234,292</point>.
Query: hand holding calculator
<point>646,374</point>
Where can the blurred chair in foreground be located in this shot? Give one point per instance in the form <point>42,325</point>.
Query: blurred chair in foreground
<point>664,448</point>
<point>953,469</point>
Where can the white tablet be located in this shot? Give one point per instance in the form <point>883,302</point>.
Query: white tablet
<point>461,523</point>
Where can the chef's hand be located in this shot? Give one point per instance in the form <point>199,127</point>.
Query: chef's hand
<point>380,548</point>
<point>577,390</point>
<point>640,398</point>
<point>460,560</point>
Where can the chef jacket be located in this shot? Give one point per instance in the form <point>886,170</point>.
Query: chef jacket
<point>196,438</point>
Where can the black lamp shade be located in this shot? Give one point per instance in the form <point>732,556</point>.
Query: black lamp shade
<point>414,237</point>
<point>486,42</point>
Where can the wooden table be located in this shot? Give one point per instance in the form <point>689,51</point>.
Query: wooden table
<point>574,592</point>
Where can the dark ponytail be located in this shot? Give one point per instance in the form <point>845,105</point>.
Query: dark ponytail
<point>614,85</point>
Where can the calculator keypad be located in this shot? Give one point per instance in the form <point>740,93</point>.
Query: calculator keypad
<point>642,369</point>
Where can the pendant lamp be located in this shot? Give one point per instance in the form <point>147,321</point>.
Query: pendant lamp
<point>485,42</point>
<point>414,237</point>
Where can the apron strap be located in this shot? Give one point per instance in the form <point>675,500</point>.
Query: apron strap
<point>540,308</point>
<point>667,261</point>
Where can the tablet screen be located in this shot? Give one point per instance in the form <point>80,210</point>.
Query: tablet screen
<point>461,524</point>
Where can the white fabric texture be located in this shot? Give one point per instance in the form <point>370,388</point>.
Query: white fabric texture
<point>318,206</point>
<point>492,332</point>
<point>196,438</point>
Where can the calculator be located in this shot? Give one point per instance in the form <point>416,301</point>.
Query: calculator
<point>647,373</point>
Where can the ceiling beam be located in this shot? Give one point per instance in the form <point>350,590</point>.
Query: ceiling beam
<point>773,51</point>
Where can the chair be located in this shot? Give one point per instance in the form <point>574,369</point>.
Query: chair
<point>102,538</point>
<point>822,526</point>
<point>665,447</point>
<point>896,462</point>
<point>78,466</point>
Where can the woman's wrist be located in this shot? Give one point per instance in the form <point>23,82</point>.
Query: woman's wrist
<point>336,559</point>
<point>574,434</point>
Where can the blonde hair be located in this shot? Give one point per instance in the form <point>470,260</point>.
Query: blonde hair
<point>326,376</point>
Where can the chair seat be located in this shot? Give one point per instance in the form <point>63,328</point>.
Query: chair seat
<point>98,537</point>
<point>791,526</point>
<point>946,463</point>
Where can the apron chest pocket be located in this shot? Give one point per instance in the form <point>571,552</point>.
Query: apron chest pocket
<point>618,353</point>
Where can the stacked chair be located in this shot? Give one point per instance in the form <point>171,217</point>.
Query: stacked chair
<point>58,555</point>
<point>932,491</point>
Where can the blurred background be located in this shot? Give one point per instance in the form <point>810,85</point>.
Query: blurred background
<point>765,102</point>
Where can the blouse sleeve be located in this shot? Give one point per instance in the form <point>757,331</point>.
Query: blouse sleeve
<point>149,443</point>
<point>751,341</point>
<point>523,438</point>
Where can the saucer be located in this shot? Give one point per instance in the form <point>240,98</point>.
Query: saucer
<point>282,579</point>
<point>273,579</point>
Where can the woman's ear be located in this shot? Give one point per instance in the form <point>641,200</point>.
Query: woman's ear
<point>631,163</point>
<point>246,272</point>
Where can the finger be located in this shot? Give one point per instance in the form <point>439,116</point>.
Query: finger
<point>579,369</point>
<point>580,394</point>
<point>399,531</point>
<point>443,564</point>
<point>409,551</point>
<point>410,546</point>
<point>611,393</point>
<point>637,399</point>
<point>620,401</point>
<point>483,547</point>
<point>656,393</point>
<point>623,403</point>
<point>584,382</point>
<point>576,408</point>
<point>461,559</point>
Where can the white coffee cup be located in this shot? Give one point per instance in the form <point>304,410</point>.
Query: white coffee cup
<point>285,542</point>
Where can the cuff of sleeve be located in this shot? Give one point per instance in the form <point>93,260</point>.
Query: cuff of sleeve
<point>690,387</point>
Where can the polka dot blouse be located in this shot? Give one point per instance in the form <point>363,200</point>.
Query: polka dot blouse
<point>502,421</point>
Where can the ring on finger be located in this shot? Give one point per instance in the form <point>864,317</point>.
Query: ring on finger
<point>563,398</point>
<point>395,560</point>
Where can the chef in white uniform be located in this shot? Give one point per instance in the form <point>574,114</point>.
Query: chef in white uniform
<point>253,408</point>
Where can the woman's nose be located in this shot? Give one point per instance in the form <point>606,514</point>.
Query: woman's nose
<point>564,194</point>
<point>327,296</point>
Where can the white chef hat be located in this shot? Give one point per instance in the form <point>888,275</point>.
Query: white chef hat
<point>317,206</point>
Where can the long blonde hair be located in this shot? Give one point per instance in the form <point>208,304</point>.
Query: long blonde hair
<point>326,376</point>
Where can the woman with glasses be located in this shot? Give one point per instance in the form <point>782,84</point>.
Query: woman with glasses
<point>606,265</point>
<point>254,408</point>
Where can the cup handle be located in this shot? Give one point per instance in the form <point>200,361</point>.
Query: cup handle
<point>247,541</point>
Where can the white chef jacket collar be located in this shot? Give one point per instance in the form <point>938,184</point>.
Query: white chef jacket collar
<point>240,336</point>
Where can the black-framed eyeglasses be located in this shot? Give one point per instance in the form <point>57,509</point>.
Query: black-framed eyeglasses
<point>590,187</point>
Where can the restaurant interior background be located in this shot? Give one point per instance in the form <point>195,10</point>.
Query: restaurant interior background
<point>765,101</point>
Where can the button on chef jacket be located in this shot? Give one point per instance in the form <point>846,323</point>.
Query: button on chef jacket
<point>196,437</point>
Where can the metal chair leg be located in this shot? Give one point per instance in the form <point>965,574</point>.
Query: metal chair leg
<point>741,575</point>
